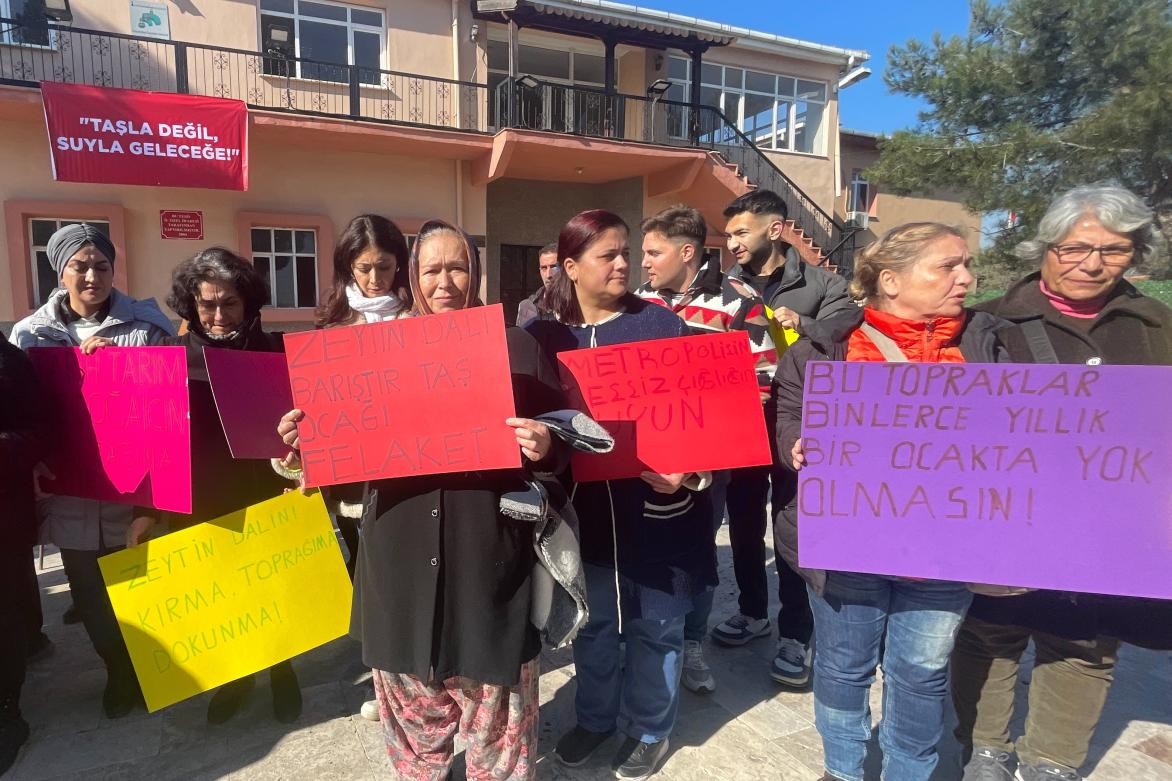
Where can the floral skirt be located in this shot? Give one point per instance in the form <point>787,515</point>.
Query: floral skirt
<point>498,725</point>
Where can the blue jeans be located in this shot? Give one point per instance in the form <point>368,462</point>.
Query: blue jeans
<point>641,698</point>
<point>915,622</point>
<point>696,622</point>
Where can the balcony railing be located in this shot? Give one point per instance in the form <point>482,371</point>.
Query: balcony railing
<point>263,80</point>
<point>585,111</point>
<point>274,81</point>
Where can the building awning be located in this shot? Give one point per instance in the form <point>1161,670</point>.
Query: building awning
<point>640,25</point>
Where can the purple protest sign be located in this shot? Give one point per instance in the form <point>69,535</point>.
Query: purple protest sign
<point>1038,476</point>
<point>252,392</point>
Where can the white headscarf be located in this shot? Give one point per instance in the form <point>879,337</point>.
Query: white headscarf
<point>376,308</point>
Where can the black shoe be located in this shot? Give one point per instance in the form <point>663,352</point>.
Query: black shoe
<point>39,648</point>
<point>576,746</point>
<point>230,698</point>
<point>624,753</point>
<point>13,734</point>
<point>286,693</point>
<point>71,616</point>
<point>643,761</point>
<point>122,693</point>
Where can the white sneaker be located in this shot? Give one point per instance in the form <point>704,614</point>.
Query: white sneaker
<point>697,676</point>
<point>740,629</point>
<point>369,710</point>
<point>790,665</point>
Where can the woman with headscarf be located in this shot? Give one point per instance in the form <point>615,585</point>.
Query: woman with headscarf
<point>442,598</point>
<point>87,311</point>
<point>1076,308</point>
<point>220,295</point>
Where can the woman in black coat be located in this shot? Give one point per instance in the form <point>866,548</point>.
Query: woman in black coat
<point>220,295</point>
<point>24,424</point>
<point>1078,309</point>
<point>442,590</point>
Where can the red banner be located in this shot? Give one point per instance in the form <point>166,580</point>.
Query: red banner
<point>418,396</point>
<point>688,404</point>
<point>102,135</point>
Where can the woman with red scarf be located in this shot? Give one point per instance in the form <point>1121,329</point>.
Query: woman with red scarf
<point>913,283</point>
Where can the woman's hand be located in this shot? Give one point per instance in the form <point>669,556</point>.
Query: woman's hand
<point>287,430</point>
<point>93,343</point>
<point>664,484</point>
<point>140,530</point>
<point>798,455</point>
<point>532,437</point>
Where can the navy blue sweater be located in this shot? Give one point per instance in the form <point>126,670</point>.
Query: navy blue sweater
<point>665,560</point>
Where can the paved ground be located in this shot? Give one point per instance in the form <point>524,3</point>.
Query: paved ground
<point>749,729</point>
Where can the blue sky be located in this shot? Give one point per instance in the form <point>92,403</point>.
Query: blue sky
<point>853,24</point>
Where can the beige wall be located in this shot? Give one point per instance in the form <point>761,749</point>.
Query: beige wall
<point>532,213</point>
<point>283,179</point>
<point>891,210</point>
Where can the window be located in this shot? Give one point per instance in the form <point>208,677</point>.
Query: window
<point>774,111</point>
<point>44,278</point>
<point>32,26</point>
<point>559,66</point>
<point>326,35</point>
<point>287,259</point>
<point>858,198</point>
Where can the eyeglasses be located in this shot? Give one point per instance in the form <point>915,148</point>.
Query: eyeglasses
<point>1111,255</point>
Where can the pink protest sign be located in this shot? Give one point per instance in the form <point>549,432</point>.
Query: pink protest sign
<point>123,426</point>
<point>1038,476</point>
<point>252,392</point>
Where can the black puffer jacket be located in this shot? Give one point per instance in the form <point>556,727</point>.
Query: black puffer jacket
<point>24,431</point>
<point>1132,329</point>
<point>826,340</point>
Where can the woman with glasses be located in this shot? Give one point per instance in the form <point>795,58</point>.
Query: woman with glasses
<point>1077,308</point>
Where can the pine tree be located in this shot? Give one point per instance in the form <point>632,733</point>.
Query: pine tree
<point>1038,97</point>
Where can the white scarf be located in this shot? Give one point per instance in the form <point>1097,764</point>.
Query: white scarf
<point>376,308</point>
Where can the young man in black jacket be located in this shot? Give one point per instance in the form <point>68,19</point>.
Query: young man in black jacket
<point>795,295</point>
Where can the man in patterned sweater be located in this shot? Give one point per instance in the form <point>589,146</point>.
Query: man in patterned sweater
<point>679,278</point>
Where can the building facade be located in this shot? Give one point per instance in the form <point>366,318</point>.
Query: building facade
<point>865,207</point>
<point>506,117</point>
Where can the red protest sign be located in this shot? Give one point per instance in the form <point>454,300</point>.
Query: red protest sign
<point>123,426</point>
<point>251,391</point>
<point>175,224</point>
<point>688,404</point>
<point>120,136</point>
<point>422,395</point>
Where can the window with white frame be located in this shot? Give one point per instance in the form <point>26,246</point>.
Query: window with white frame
<point>774,111</point>
<point>330,34</point>
<point>287,259</point>
<point>858,198</point>
<point>44,278</point>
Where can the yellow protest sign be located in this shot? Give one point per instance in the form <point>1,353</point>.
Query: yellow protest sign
<point>782,337</point>
<point>206,605</point>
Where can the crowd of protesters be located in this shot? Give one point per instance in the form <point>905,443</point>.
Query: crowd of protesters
<point>448,569</point>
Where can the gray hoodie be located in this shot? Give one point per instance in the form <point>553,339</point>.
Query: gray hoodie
<point>69,521</point>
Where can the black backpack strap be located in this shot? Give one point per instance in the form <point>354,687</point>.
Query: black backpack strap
<point>1038,341</point>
